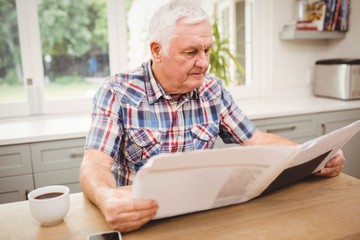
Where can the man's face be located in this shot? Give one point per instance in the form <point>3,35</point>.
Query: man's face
<point>183,69</point>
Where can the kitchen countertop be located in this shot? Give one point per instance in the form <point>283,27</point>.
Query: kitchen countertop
<point>48,128</point>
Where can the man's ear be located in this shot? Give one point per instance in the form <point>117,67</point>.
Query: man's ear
<point>156,51</point>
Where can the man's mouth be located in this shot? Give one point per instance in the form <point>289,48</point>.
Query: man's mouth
<point>199,73</point>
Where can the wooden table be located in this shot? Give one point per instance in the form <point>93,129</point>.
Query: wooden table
<point>314,208</point>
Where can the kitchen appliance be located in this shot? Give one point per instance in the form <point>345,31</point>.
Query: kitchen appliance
<point>337,78</point>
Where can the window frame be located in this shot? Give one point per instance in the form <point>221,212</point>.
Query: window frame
<point>31,58</point>
<point>258,50</point>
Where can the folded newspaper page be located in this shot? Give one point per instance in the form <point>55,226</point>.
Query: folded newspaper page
<point>194,181</point>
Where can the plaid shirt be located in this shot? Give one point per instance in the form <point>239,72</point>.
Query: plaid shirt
<point>134,119</point>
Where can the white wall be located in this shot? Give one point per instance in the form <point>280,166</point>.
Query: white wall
<point>291,63</point>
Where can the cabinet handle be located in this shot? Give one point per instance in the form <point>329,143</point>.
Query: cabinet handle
<point>26,194</point>
<point>323,128</point>
<point>76,155</point>
<point>283,129</point>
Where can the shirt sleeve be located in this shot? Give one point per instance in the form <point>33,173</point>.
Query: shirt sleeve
<point>106,128</point>
<point>235,126</point>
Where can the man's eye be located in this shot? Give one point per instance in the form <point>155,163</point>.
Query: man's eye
<point>191,52</point>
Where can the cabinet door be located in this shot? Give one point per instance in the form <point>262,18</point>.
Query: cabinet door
<point>297,128</point>
<point>68,177</point>
<point>335,120</point>
<point>57,155</point>
<point>58,162</point>
<point>15,160</point>
<point>15,188</point>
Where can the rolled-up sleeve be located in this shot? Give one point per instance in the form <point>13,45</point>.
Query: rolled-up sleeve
<point>235,126</point>
<point>106,128</point>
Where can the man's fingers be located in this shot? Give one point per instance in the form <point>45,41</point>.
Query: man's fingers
<point>138,205</point>
<point>336,161</point>
<point>130,214</point>
<point>134,219</point>
<point>330,171</point>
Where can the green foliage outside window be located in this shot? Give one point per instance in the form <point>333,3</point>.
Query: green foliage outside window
<point>10,63</point>
<point>84,21</point>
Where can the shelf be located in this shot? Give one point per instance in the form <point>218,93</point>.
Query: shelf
<point>293,35</point>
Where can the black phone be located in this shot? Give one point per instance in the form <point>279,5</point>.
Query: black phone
<point>113,235</point>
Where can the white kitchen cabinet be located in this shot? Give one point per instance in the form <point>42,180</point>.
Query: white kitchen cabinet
<point>56,155</point>
<point>24,167</point>
<point>67,177</point>
<point>15,160</point>
<point>297,128</point>
<point>333,120</point>
<point>15,188</point>
<point>16,178</point>
<point>58,162</point>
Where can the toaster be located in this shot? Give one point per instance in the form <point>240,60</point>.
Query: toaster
<point>337,78</point>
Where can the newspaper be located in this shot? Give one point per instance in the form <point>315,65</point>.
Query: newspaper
<point>194,181</point>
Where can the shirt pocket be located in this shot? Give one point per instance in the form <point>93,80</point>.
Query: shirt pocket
<point>142,144</point>
<point>204,135</point>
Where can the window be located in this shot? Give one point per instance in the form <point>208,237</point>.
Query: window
<point>56,57</point>
<point>54,54</point>
<point>74,45</point>
<point>10,62</point>
<point>237,23</point>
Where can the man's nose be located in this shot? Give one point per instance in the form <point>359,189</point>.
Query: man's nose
<point>202,60</point>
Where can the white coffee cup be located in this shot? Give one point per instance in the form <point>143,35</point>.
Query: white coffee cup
<point>49,205</point>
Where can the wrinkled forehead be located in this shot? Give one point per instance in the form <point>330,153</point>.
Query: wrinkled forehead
<point>194,36</point>
<point>201,29</point>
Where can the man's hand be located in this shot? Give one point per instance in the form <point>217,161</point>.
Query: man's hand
<point>125,214</point>
<point>334,167</point>
<point>99,186</point>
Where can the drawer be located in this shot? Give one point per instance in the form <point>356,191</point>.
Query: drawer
<point>56,155</point>
<point>15,160</point>
<point>15,188</point>
<point>68,177</point>
<point>298,128</point>
<point>331,121</point>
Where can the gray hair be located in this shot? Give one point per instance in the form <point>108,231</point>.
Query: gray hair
<point>163,22</point>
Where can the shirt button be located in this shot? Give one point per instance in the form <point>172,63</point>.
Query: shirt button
<point>179,138</point>
<point>142,143</point>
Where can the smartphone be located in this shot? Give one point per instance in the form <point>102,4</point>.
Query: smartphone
<point>113,235</point>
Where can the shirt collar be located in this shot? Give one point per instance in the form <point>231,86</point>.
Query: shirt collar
<point>155,91</point>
